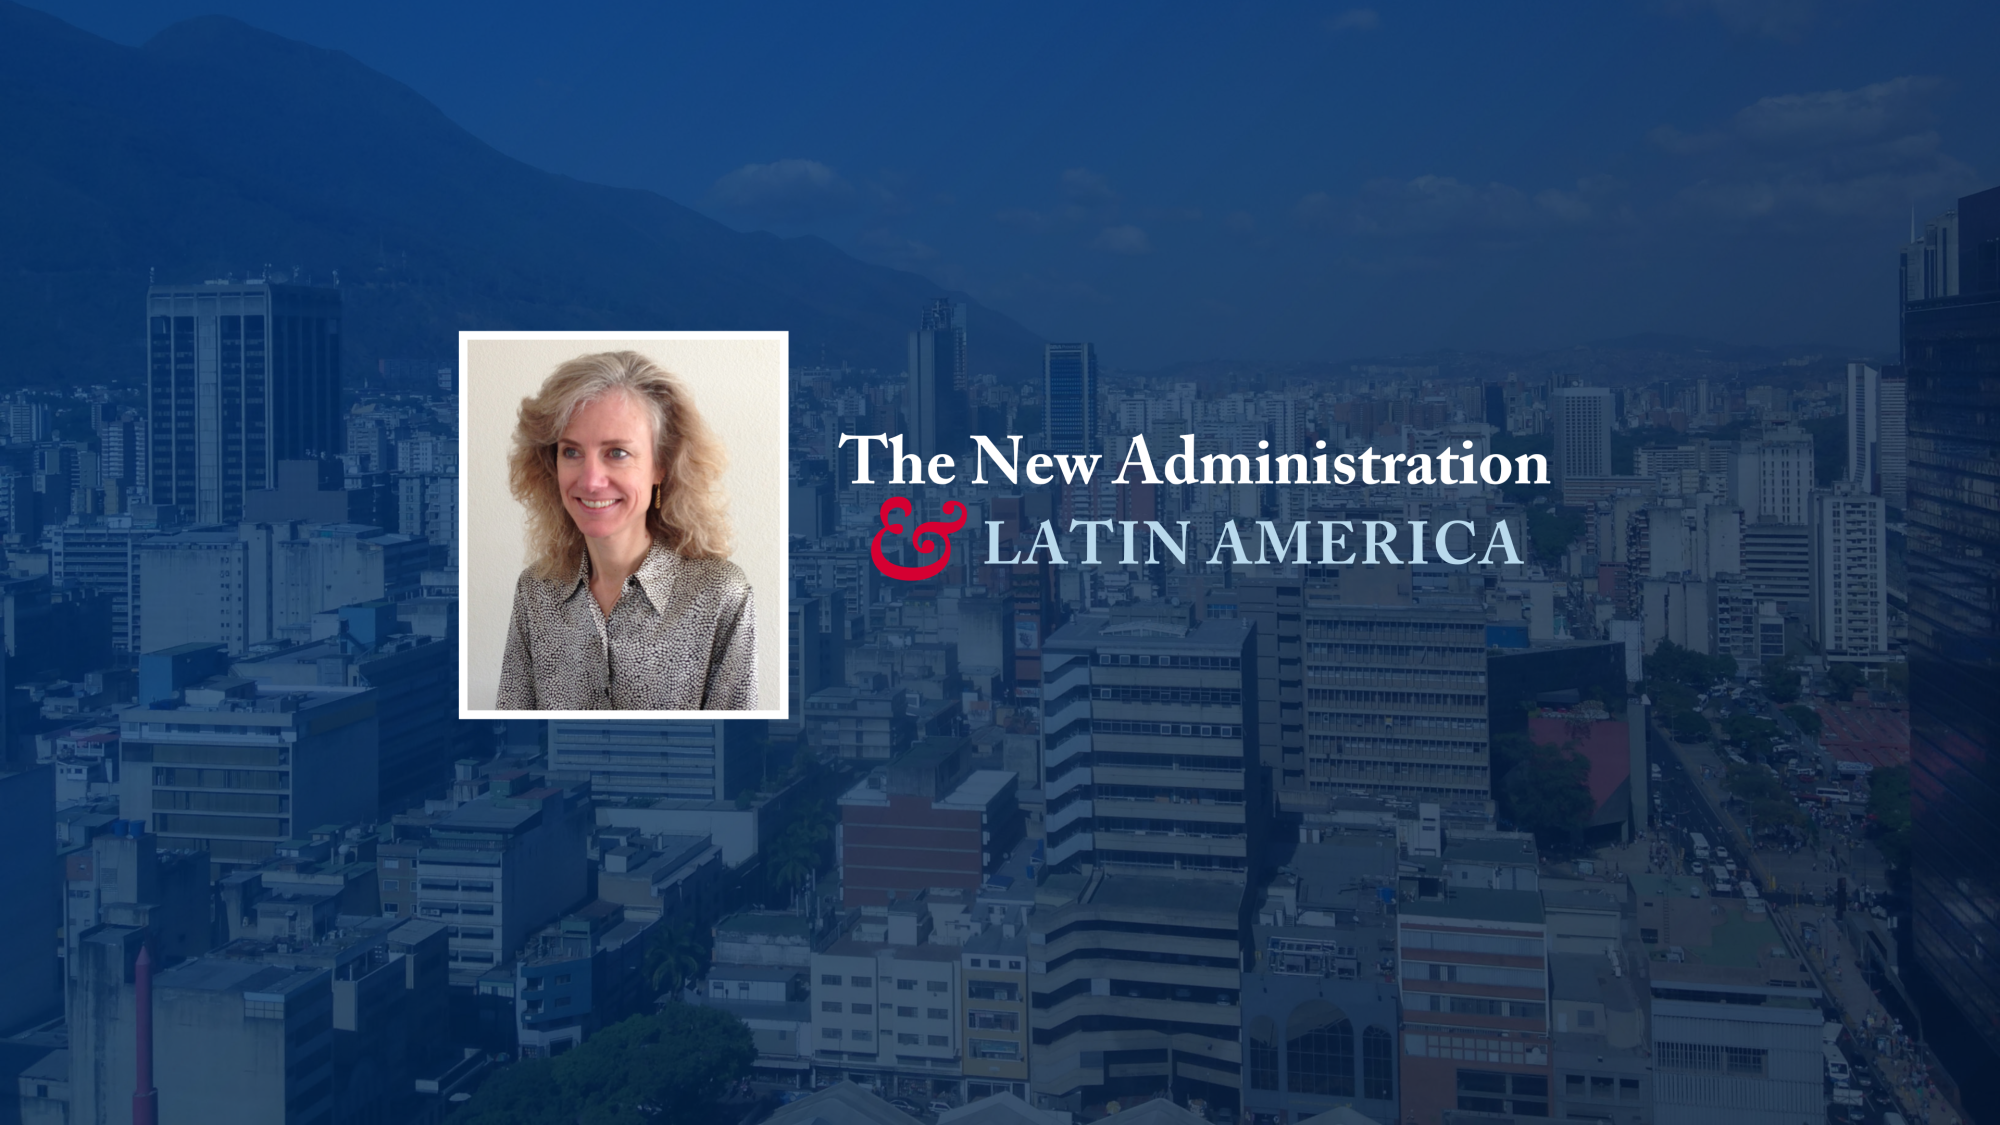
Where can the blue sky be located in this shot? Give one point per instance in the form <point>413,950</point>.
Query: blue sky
<point>1274,181</point>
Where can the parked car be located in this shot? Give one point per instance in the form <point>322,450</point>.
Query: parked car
<point>907,1106</point>
<point>939,1105</point>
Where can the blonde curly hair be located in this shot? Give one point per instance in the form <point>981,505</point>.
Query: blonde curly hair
<point>692,518</point>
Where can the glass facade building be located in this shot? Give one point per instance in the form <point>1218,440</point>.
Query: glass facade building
<point>238,378</point>
<point>1951,346</point>
<point>1069,398</point>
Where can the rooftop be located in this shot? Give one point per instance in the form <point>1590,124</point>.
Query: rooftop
<point>1478,904</point>
<point>1216,635</point>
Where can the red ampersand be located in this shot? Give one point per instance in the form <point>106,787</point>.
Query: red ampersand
<point>926,538</point>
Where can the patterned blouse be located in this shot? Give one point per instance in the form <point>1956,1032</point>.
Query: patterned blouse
<point>681,637</point>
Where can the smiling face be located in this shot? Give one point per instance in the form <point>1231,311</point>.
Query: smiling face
<point>605,468</point>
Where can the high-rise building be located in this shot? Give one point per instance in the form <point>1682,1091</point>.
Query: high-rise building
<point>935,402</point>
<point>238,377</point>
<point>1777,562</point>
<point>1951,346</point>
<point>1864,420</point>
<point>673,761</point>
<point>1149,755</point>
<point>925,822</point>
<point>1771,476</point>
<point>1583,432</point>
<point>1069,398</point>
<point>1850,574</point>
<point>1893,439</point>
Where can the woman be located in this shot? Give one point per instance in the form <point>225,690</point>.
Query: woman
<point>629,601</point>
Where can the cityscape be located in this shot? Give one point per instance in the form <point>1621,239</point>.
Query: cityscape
<point>1156,802</point>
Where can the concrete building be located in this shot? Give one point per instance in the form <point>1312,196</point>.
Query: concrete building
<point>414,679</point>
<point>491,871</point>
<point>122,877</point>
<point>1319,996</point>
<point>579,975</point>
<point>772,1000</point>
<point>1850,617</point>
<point>679,760</point>
<point>1772,478</point>
<point>676,879</point>
<point>997,1024</point>
<point>30,977</point>
<point>1472,947</point>
<point>1581,418</point>
<point>927,820</point>
<point>1735,1015</point>
<point>1597,982</point>
<point>1136,984</point>
<point>238,378</point>
<point>895,1022</point>
<point>1396,699</point>
<point>1149,750</point>
<point>1069,398</point>
<point>234,772</point>
<point>859,724</point>
<point>1777,562</point>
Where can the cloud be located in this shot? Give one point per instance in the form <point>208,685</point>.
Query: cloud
<point>1443,205</point>
<point>1870,150</point>
<point>1081,185</point>
<point>1353,19</point>
<point>1024,219</point>
<point>1122,240</point>
<point>1776,19</point>
<point>785,192</point>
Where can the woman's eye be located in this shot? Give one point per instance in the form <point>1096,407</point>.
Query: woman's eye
<point>572,453</point>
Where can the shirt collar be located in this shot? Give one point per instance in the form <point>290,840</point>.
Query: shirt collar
<point>655,575</point>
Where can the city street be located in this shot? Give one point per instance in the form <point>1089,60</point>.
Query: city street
<point>1800,883</point>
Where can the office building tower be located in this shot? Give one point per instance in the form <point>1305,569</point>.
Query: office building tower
<point>1395,697</point>
<point>1069,398</point>
<point>1473,959</point>
<point>1149,752</point>
<point>934,405</point>
<point>926,821</point>
<point>1771,477</point>
<point>1136,986</point>
<point>235,773</point>
<point>1582,419</point>
<point>1864,420</point>
<point>238,377</point>
<point>1777,562</point>
<point>671,761</point>
<point>1893,439</point>
<point>1850,575</point>
<point>1952,350</point>
<point>30,987</point>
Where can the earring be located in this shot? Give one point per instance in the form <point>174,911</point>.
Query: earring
<point>656,497</point>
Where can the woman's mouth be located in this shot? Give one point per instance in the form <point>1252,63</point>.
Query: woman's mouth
<point>597,505</point>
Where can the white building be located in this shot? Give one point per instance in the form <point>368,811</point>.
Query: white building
<point>1850,591</point>
<point>1582,432</point>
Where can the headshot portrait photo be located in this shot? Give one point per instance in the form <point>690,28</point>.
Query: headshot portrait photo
<point>622,515</point>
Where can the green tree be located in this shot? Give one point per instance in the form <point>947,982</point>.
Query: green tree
<point>800,850</point>
<point>1671,663</point>
<point>1552,530</point>
<point>675,955</point>
<point>1845,678</point>
<point>1547,793</point>
<point>1805,718</point>
<point>1781,681</point>
<point>1889,808</point>
<point>1689,726</point>
<point>669,1067</point>
<point>1754,734</point>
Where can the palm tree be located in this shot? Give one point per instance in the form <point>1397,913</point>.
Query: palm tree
<point>675,956</point>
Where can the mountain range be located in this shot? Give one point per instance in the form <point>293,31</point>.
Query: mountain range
<point>217,150</point>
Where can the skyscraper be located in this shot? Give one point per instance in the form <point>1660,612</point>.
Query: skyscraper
<point>1850,574</point>
<point>1864,418</point>
<point>1583,432</point>
<point>238,378</point>
<point>1892,446</point>
<point>1951,345</point>
<point>935,405</point>
<point>1069,398</point>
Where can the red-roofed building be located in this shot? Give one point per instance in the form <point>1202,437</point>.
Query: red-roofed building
<point>1874,734</point>
<point>1604,742</point>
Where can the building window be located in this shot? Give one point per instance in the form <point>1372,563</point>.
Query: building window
<point>1378,1066</point>
<point>991,1021</point>
<point>859,982</point>
<point>1319,1050</point>
<point>1004,1049</point>
<point>906,986</point>
<point>829,1005</point>
<point>1628,1089</point>
<point>907,1038</point>
<point>937,1013</point>
<point>390,908</point>
<point>906,1012</point>
<point>938,985</point>
<point>938,1040</point>
<point>1486,1091</point>
<point>1712,1059</point>
<point>862,1009</point>
<point>390,884</point>
<point>829,1033</point>
<point>861,1034</point>
<point>1263,1054</point>
<point>829,978</point>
